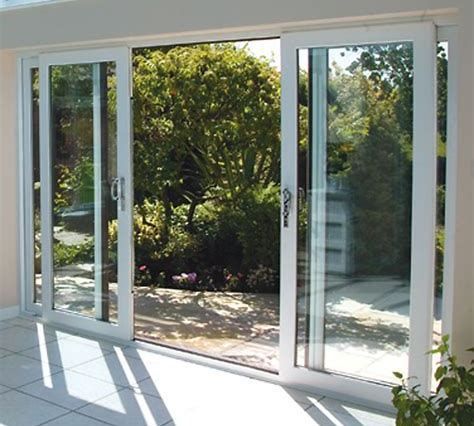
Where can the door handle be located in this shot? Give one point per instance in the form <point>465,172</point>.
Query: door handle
<point>286,195</point>
<point>114,189</point>
<point>117,191</point>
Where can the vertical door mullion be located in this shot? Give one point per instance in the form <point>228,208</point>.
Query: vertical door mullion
<point>46,188</point>
<point>424,207</point>
<point>97,148</point>
<point>125,205</point>
<point>101,195</point>
<point>28,192</point>
<point>288,249</point>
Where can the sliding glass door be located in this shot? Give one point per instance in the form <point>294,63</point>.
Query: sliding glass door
<point>358,184</point>
<point>86,202</point>
<point>359,166</point>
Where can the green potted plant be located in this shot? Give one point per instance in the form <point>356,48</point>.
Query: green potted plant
<point>453,402</point>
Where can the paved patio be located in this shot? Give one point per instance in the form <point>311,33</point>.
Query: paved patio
<point>366,322</point>
<point>51,377</point>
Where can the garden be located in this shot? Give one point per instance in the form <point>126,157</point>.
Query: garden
<point>207,164</point>
<point>206,216</point>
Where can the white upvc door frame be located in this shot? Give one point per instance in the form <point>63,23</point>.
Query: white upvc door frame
<point>423,37</point>
<point>121,57</point>
<point>449,34</point>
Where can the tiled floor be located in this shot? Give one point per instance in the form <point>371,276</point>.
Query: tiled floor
<point>49,377</point>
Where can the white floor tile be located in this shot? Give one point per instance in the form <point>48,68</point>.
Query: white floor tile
<point>116,369</point>
<point>36,324</point>
<point>39,327</point>
<point>306,399</point>
<point>4,352</point>
<point>18,409</point>
<point>161,391</point>
<point>232,413</point>
<point>67,353</point>
<point>17,339</point>
<point>17,370</point>
<point>357,413</point>
<point>90,341</point>
<point>74,419</point>
<point>328,418</point>
<point>4,324</point>
<point>127,408</point>
<point>70,390</point>
<point>21,321</point>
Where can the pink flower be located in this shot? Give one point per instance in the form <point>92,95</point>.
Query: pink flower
<point>142,268</point>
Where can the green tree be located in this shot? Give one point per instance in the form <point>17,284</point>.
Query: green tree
<point>367,155</point>
<point>206,124</point>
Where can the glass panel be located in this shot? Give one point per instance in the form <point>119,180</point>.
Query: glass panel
<point>207,199</point>
<point>36,185</point>
<point>83,134</point>
<point>355,186</point>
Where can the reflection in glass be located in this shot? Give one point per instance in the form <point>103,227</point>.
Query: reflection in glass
<point>36,185</point>
<point>83,133</point>
<point>354,232</point>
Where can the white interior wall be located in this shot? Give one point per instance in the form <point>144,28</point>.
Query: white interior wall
<point>9,270</point>
<point>87,20</point>
<point>91,21</point>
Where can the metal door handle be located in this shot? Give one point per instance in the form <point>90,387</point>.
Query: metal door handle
<point>286,195</point>
<point>117,191</point>
<point>114,189</point>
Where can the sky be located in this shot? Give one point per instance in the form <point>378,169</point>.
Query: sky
<point>270,49</point>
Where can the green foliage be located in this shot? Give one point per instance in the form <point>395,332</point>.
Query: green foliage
<point>206,122</point>
<point>207,156</point>
<point>263,280</point>
<point>224,240</point>
<point>167,251</point>
<point>439,241</point>
<point>67,254</point>
<point>451,405</point>
<point>258,227</point>
<point>390,69</point>
<point>142,275</point>
<point>370,159</point>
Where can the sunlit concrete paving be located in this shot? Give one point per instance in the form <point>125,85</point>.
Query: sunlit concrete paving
<point>366,322</point>
<point>51,377</point>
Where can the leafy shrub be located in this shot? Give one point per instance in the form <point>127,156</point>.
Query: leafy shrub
<point>234,282</point>
<point>142,275</point>
<point>220,243</point>
<point>65,254</point>
<point>440,237</point>
<point>263,280</point>
<point>74,185</point>
<point>259,227</point>
<point>164,247</point>
<point>451,405</point>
